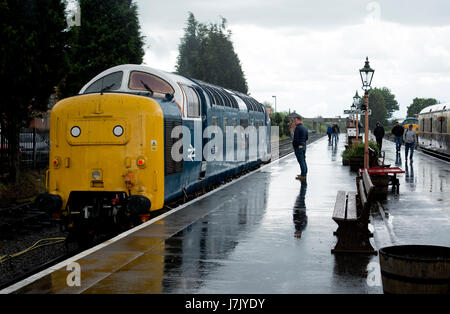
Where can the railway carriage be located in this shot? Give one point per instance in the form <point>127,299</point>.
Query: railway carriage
<point>136,138</point>
<point>434,129</point>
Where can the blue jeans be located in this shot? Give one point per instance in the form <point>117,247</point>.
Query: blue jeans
<point>300,153</point>
<point>398,143</point>
<point>335,137</point>
<point>409,146</point>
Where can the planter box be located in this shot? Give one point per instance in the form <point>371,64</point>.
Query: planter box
<point>356,163</point>
<point>345,162</point>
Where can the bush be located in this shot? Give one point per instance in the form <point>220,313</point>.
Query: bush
<point>358,150</point>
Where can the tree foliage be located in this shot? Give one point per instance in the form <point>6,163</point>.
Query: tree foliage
<point>32,62</point>
<point>378,107</point>
<point>390,102</point>
<point>206,53</point>
<point>419,104</point>
<point>109,35</point>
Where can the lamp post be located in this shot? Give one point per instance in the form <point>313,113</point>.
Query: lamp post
<point>356,103</point>
<point>353,108</point>
<point>366,77</point>
<point>275,103</point>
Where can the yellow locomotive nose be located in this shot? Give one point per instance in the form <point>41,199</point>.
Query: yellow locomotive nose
<point>97,141</point>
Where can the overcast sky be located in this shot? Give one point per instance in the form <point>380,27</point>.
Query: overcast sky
<point>308,53</point>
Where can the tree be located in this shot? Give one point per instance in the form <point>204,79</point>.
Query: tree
<point>389,101</point>
<point>419,104</point>
<point>285,126</point>
<point>32,40</point>
<point>109,35</point>
<point>276,120</point>
<point>206,53</point>
<point>378,107</point>
<point>190,49</point>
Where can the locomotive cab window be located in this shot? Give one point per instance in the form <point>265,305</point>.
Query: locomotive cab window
<point>192,101</point>
<point>109,82</point>
<point>144,81</point>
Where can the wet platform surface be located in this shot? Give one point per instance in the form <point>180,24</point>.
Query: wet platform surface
<point>267,233</point>
<point>420,213</point>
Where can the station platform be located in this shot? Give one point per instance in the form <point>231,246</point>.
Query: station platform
<point>264,233</point>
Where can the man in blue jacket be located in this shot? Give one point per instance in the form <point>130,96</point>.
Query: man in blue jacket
<point>329,132</point>
<point>299,143</point>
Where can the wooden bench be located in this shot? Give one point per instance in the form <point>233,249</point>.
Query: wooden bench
<point>351,213</point>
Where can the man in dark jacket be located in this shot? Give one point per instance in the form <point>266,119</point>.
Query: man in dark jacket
<point>299,143</point>
<point>398,131</point>
<point>379,134</point>
<point>336,132</point>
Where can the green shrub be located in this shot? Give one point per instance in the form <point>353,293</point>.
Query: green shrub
<point>358,150</point>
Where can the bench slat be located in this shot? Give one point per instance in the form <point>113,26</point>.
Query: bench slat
<point>368,182</point>
<point>362,194</point>
<point>351,206</point>
<point>339,206</point>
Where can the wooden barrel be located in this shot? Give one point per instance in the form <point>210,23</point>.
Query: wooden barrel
<point>415,269</point>
<point>381,183</point>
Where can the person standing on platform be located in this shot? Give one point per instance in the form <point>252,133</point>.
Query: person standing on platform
<point>398,131</point>
<point>299,143</point>
<point>409,137</point>
<point>329,132</point>
<point>379,134</point>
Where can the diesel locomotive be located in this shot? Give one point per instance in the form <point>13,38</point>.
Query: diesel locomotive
<point>136,138</point>
<point>411,121</point>
<point>434,129</point>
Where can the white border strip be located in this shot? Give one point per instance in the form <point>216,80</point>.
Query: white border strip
<point>67,262</point>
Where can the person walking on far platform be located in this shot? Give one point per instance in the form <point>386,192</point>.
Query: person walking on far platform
<point>379,134</point>
<point>336,132</point>
<point>299,143</point>
<point>398,131</point>
<point>329,132</point>
<point>409,137</point>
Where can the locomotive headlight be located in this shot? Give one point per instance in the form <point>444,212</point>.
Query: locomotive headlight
<point>96,175</point>
<point>118,131</point>
<point>75,132</point>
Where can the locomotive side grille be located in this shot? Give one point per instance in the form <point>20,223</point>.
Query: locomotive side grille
<point>244,123</point>
<point>170,165</point>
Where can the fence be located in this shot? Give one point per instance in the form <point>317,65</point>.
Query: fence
<point>34,147</point>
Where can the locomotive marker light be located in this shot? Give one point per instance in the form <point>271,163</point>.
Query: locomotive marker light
<point>141,162</point>
<point>75,132</point>
<point>57,163</point>
<point>118,131</point>
<point>366,77</point>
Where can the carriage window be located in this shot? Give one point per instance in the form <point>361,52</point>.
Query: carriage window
<point>109,82</point>
<point>193,103</point>
<point>225,124</point>
<point>442,125</point>
<point>156,84</point>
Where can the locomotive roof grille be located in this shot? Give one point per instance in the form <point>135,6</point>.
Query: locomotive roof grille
<point>217,93</point>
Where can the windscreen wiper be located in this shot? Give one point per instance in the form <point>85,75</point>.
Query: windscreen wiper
<point>147,87</point>
<point>107,88</point>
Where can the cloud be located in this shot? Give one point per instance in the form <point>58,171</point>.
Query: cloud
<point>309,53</point>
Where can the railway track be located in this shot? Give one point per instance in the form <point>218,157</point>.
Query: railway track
<point>23,223</point>
<point>435,154</point>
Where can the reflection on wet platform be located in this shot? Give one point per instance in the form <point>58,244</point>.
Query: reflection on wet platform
<point>266,233</point>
